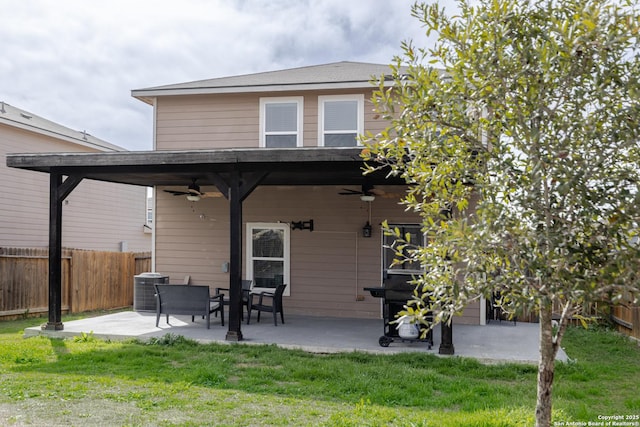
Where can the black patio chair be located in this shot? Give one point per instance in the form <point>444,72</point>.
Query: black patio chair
<point>267,301</point>
<point>246,289</point>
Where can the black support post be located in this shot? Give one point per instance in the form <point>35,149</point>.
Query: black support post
<point>236,186</point>
<point>235,257</point>
<point>446,338</point>
<point>55,254</point>
<point>58,191</point>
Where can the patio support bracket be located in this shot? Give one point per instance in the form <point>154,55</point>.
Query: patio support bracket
<point>247,182</point>
<point>58,191</point>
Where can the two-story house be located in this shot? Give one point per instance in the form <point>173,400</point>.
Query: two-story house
<point>282,196</point>
<point>315,107</point>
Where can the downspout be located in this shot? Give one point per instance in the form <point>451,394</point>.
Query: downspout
<point>153,229</point>
<point>154,142</point>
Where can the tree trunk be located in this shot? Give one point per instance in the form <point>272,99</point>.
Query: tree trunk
<point>546,367</point>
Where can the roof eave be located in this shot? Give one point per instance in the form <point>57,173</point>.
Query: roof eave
<point>89,142</point>
<point>147,95</point>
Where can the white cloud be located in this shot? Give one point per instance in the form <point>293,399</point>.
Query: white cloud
<point>75,62</point>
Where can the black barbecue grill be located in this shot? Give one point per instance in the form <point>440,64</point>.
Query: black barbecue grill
<point>394,296</point>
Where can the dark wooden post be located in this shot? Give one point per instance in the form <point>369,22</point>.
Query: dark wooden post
<point>236,186</point>
<point>235,257</point>
<point>55,254</point>
<point>446,338</point>
<point>58,191</point>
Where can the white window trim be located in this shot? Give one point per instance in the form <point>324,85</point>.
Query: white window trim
<point>322,99</point>
<point>299,100</point>
<point>287,253</point>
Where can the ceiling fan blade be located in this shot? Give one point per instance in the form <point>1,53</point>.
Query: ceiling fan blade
<point>194,188</point>
<point>349,192</point>
<point>177,193</point>
<point>393,195</point>
<point>211,194</point>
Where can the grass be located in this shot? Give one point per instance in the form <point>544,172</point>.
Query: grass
<point>173,381</point>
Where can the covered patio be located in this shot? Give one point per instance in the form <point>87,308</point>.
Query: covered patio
<point>235,173</point>
<point>497,342</point>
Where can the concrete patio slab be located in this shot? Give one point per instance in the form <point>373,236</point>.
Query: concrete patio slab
<point>495,343</point>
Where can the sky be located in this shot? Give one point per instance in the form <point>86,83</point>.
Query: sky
<point>75,62</point>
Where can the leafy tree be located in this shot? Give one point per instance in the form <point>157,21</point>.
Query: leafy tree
<point>518,134</point>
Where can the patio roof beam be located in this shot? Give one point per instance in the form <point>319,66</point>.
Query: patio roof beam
<point>302,166</point>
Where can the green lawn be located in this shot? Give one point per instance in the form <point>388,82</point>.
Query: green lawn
<point>173,381</point>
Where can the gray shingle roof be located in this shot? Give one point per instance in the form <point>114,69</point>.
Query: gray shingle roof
<point>22,119</point>
<point>327,76</point>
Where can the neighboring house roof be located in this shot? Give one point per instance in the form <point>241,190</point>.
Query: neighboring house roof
<point>337,75</point>
<point>25,120</point>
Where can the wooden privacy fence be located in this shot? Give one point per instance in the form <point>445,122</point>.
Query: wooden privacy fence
<point>627,319</point>
<point>625,316</point>
<point>91,280</point>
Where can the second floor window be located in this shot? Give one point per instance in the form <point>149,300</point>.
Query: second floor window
<point>281,122</point>
<point>340,120</point>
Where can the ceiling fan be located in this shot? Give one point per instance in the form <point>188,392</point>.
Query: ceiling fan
<point>193,192</point>
<point>367,193</point>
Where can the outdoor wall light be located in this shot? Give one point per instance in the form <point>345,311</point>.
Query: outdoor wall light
<point>366,230</point>
<point>302,225</point>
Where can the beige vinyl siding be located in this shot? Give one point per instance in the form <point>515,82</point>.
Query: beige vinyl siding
<point>232,120</point>
<point>470,315</point>
<point>329,266</point>
<point>96,216</point>
<point>330,270</point>
<point>100,215</point>
<point>211,121</point>
<point>192,238</point>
